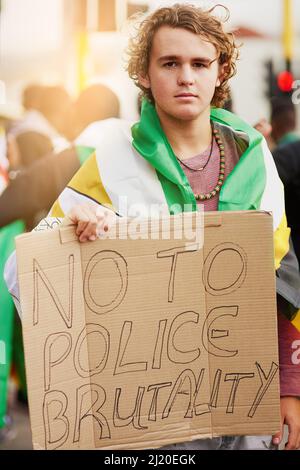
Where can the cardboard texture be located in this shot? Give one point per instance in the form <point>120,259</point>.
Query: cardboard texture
<point>134,344</point>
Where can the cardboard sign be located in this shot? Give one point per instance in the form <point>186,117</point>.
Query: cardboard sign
<point>135,344</point>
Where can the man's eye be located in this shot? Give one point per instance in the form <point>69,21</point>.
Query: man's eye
<point>170,64</point>
<point>199,65</point>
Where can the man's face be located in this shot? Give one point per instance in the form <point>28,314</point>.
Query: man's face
<point>183,73</point>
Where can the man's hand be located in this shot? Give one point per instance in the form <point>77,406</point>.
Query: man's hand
<point>91,221</point>
<point>290,415</point>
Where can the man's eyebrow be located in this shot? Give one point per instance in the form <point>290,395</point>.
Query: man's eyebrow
<point>207,60</point>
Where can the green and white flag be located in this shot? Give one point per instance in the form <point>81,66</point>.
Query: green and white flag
<point>132,168</point>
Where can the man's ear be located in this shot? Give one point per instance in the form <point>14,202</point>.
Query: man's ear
<point>144,81</point>
<point>222,73</point>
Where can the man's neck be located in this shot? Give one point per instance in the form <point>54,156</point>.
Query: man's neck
<point>187,138</point>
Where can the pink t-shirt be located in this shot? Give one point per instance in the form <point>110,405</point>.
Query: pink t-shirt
<point>203,182</point>
<point>289,357</point>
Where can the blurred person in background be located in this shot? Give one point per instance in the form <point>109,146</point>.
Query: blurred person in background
<point>27,141</point>
<point>283,121</point>
<point>285,145</point>
<point>42,127</point>
<point>54,106</point>
<point>36,187</point>
<point>281,129</point>
<point>7,308</point>
<point>287,160</point>
<point>264,127</point>
<point>95,103</point>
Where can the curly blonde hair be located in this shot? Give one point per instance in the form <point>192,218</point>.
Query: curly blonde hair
<point>193,19</point>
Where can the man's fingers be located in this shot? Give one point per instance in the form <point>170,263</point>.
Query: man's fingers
<point>293,442</point>
<point>276,439</point>
<point>81,217</point>
<point>89,231</point>
<point>91,221</point>
<point>81,227</point>
<point>87,222</point>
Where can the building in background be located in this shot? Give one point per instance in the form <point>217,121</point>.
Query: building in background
<point>78,42</point>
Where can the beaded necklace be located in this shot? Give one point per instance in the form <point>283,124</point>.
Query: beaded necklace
<point>208,158</point>
<point>217,188</point>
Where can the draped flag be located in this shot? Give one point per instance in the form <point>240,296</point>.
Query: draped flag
<point>135,166</point>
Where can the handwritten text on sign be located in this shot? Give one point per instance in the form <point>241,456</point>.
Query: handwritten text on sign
<point>140,343</point>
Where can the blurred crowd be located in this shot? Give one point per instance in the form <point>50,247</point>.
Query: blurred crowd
<point>38,156</point>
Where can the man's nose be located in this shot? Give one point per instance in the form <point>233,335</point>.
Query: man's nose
<point>186,75</point>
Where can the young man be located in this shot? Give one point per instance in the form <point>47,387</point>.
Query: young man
<point>184,153</point>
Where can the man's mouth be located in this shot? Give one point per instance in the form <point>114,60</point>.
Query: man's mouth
<point>186,95</point>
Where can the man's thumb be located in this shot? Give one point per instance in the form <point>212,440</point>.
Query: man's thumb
<point>276,438</point>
